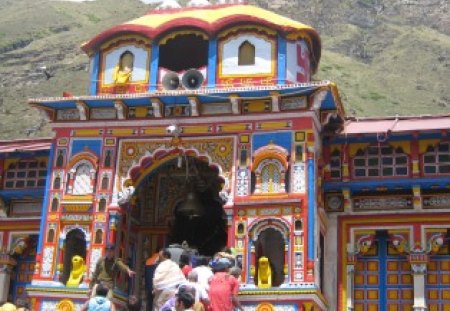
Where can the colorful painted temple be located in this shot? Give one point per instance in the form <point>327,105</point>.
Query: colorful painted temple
<point>203,124</point>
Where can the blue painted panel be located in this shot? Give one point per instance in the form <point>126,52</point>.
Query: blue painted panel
<point>48,182</point>
<point>311,209</point>
<point>360,185</point>
<point>152,86</point>
<point>60,105</point>
<point>283,139</point>
<point>133,102</point>
<point>94,73</point>
<point>382,253</point>
<point>23,193</point>
<point>102,103</point>
<point>212,63</point>
<point>93,145</point>
<point>281,75</point>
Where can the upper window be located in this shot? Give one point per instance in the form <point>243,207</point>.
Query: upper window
<point>378,161</point>
<point>26,174</point>
<point>246,54</point>
<point>437,159</point>
<point>270,179</point>
<point>335,164</point>
<point>82,182</point>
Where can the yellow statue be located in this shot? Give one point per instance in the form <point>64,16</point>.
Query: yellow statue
<point>77,272</point>
<point>264,273</point>
<point>123,70</point>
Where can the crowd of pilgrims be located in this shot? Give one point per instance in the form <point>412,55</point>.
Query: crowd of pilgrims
<point>207,284</point>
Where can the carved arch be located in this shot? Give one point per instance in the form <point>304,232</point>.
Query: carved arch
<point>260,225</point>
<point>152,161</point>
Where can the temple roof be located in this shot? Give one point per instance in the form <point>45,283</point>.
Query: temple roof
<point>25,145</point>
<point>357,126</point>
<point>210,19</point>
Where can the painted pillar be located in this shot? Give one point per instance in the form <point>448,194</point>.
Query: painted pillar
<point>351,260</point>
<point>6,265</point>
<point>45,201</point>
<point>311,214</point>
<point>345,160</point>
<point>154,62</point>
<point>417,197</point>
<point>281,58</point>
<point>419,269</point>
<point>252,263</point>
<point>113,225</point>
<point>94,67</point>
<point>212,63</point>
<point>59,257</point>
<point>415,153</point>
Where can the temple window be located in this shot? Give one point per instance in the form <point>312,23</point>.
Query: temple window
<point>108,159</point>
<point>98,236</point>
<point>105,182</point>
<point>60,159</point>
<point>378,161</point>
<point>57,183</point>
<point>335,164</point>
<point>51,236</point>
<point>102,205</point>
<point>82,180</point>
<point>246,54</point>
<point>298,225</point>
<point>26,174</point>
<point>436,160</point>
<point>271,179</point>
<point>270,173</point>
<point>55,205</point>
<point>240,228</point>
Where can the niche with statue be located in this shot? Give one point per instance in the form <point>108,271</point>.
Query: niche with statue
<point>74,258</point>
<point>270,253</point>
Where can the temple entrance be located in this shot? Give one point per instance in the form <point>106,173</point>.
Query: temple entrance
<point>181,198</point>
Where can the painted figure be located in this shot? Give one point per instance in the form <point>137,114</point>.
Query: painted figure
<point>264,273</point>
<point>124,69</point>
<point>77,272</point>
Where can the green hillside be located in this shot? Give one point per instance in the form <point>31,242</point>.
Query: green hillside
<point>387,57</point>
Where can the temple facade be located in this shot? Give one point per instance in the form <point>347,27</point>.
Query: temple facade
<point>204,125</point>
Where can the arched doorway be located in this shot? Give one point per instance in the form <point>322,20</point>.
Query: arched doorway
<point>271,244</point>
<point>162,196</point>
<point>74,244</point>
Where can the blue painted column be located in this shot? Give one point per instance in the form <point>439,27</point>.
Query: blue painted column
<point>48,182</point>
<point>95,61</point>
<point>154,62</point>
<point>212,63</point>
<point>311,206</point>
<point>382,255</point>
<point>281,57</point>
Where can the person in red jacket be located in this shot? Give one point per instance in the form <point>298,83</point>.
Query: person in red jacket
<point>223,288</point>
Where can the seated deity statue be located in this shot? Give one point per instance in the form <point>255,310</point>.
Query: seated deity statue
<point>77,272</point>
<point>264,273</point>
<point>124,69</point>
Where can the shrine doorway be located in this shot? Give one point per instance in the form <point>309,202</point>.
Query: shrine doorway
<point>271,244</point>
<point>161,206</point>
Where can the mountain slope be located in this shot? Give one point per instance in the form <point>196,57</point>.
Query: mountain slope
<point>387,57</point>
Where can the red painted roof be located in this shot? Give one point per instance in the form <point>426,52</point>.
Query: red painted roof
<point>398,124</point>
<point>25,145</point>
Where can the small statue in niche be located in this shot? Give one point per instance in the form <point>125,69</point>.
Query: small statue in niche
<point>124,69</point>
<point>77,272</point>
<point>264,273</point>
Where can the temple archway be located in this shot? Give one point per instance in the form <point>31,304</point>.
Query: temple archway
<point>161,202</point>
